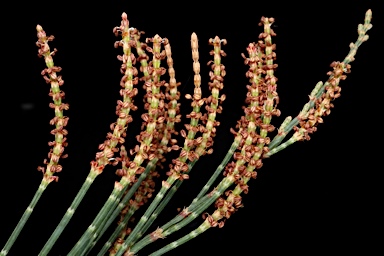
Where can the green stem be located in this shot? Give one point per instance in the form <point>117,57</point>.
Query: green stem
<point>201,205</point>
<point>164,202</point>
<point>117,231</point>
<point>137,231</point>
<point>311,103</point>
<point>362,29</point>
<point>195,203</point>
<point>178,184</point>
<point>27,213</point>
<point>86,238</point>
<point>181,221</point>
<point>219,169</point>
<point>111,216</point>
<point>69,213</point>
<point>173,225</point>
<point>201,229</point>
<point>281,146</point>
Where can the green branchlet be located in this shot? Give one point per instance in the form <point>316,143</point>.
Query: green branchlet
<point>250,146</point>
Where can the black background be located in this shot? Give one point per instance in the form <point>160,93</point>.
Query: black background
<point>315,196</point>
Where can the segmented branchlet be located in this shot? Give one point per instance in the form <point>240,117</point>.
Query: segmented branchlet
<point>171,93</point>
<point>308,123</point>
<point>179,168</point>
<point>128,81</point>
<point>60,121</point>
<point>141,197</point>
<point>205,142</point>
<point>320,99</point>
<point>250,146</point>
<point>262,98</point>
<point>148,138</point>
<point>173,107</point>
<point>51,77</point>
<point>161,134</point>
<point>155,103</point>
<point>109,147</point>
<point>155,115</point>
<point>201,147</point>
<point>172,116</point>
<point>219,70</point>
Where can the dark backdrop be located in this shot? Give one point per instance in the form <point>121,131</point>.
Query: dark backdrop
<point>315,196</point>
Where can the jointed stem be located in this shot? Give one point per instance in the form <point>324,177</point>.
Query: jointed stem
<point>200,202</point>
<point>68,215</point>
<point>27,213</point>
<point>180,221</point>
<point>202,228</point>
<point>219,169</point>
<point>86,238</point>
<point>110,217</point>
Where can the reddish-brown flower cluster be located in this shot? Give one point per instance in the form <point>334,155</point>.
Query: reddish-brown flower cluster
<point>59,121</point>
<point>323,104</point>
<point>141,196</point>
<point>160,117</point>
<point>158,122</point>
<point>254,126</point>
<point>227,207</point>
<point>213,222</point>
<point>154,120</point>
<point>212,102</point>
<point>196,147</point>
<point>172,115</point>
<point>128,92</point>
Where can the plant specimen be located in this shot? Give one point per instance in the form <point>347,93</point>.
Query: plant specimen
<point>139,167</point>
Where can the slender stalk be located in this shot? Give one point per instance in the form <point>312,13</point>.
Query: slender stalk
<point>69,213</point>
<point>109,146</point>
<point>176,172</point>
<point>127,83</point>
<point>251,129</point>
<point>183,219</point>
<point>116,233</point>
<point>202,228</point>
<point>175,224</point>
<point>219,169</point>
<point>110,217</point>
<point>154,215</point>
<point>111,203</point>
<point>297,136</point>
<point>137,231</point>
<point>196,207</point>
<point>172,118</point>
<point>180,221</point>
<point>23,220</point>
<point>164,202</point>
<point>204,190</point>
<point>50,75</point>
<point>319,105</point>
<point>320,87</point>
<point>284,145</point>
<point>178,183</point>
<point>202,204</point>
